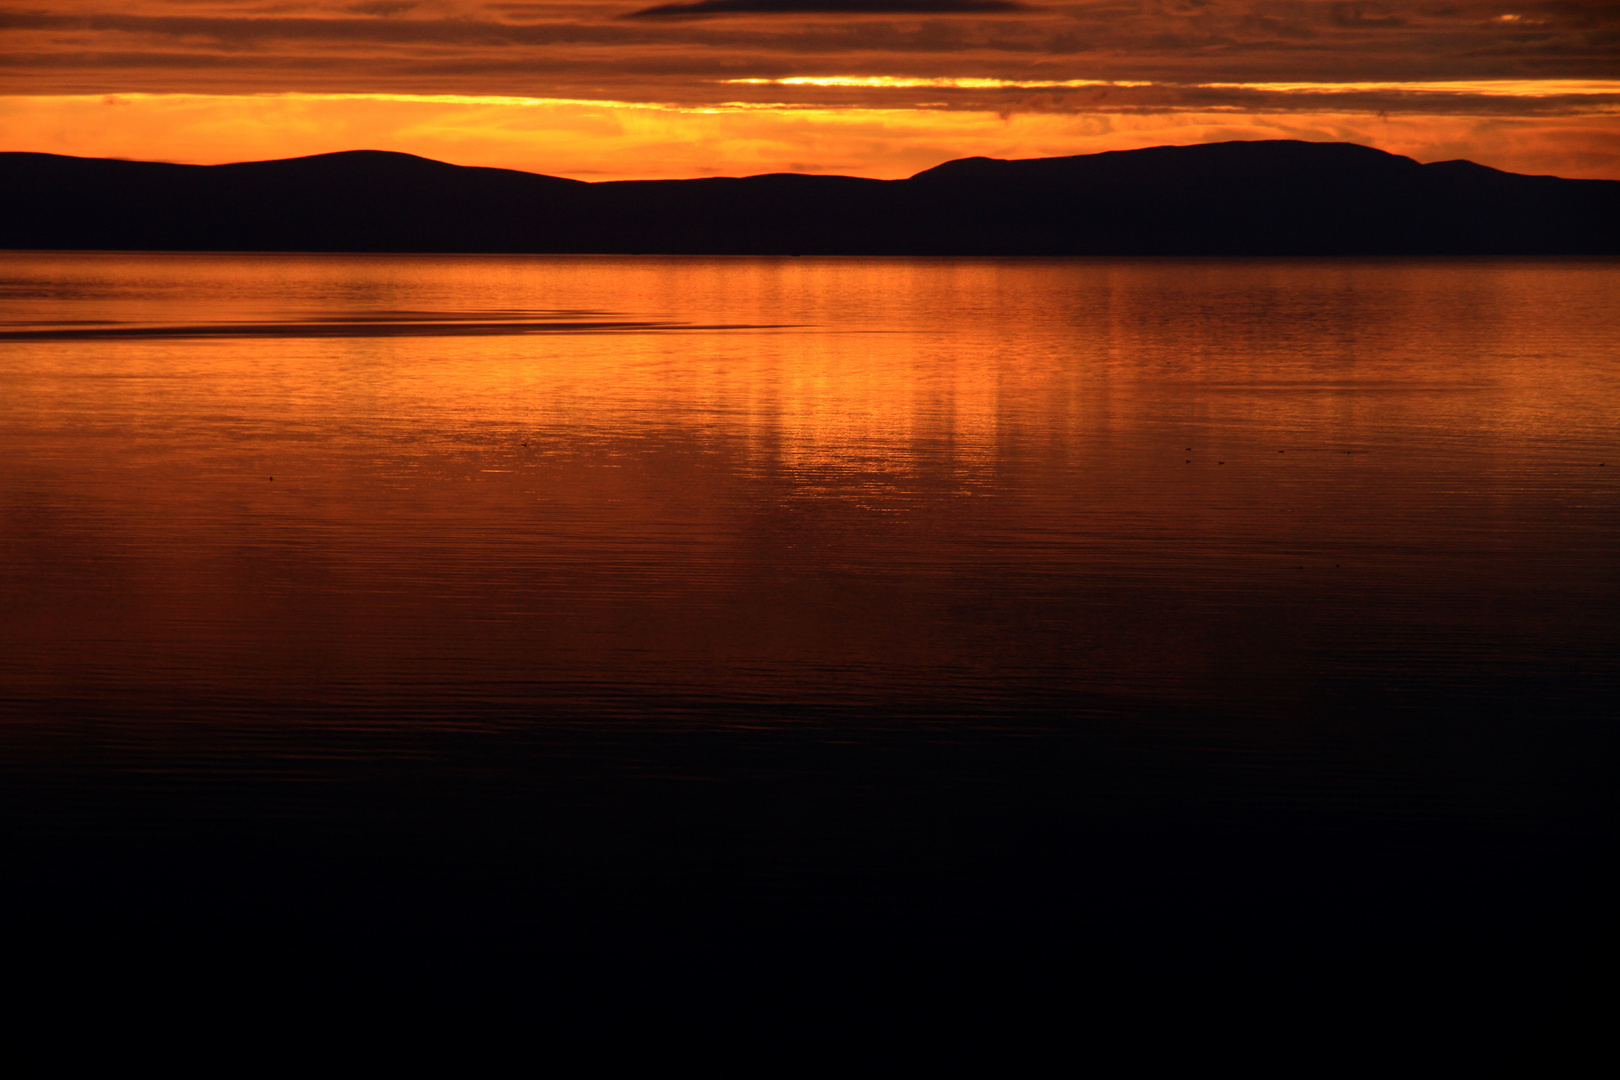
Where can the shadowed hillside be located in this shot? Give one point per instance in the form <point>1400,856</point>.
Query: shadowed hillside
<point>1237,198</point>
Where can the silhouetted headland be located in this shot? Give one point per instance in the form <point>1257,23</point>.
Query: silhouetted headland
<point>1235,198</point>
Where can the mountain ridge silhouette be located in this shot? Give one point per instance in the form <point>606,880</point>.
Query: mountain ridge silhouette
<point>1279,197</point>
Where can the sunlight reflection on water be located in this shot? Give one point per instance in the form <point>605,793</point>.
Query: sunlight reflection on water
<point>1246,486</point>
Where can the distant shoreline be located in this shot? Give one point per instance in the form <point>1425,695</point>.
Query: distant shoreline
<point>1273,198</point>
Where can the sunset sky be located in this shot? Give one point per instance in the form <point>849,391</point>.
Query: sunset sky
<point>602,89</point>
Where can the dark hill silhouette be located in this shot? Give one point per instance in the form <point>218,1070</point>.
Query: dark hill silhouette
<point>1237,198</point>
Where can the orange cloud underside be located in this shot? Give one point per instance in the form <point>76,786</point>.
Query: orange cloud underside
<point>603,140</point>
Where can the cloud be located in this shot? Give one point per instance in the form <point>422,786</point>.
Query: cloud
<point>1049,57</point>
<point>382,8</point>
<point>704,8</point>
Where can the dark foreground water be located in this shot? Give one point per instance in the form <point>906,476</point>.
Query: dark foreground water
<point>1142,640</point>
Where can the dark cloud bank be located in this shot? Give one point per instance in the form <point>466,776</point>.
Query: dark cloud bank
<point>678,48</point>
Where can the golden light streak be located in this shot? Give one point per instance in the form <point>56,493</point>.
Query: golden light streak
<point>1481,87</point>
<point>902,82</point>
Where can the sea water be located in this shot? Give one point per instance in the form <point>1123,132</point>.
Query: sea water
<point>590,605</point>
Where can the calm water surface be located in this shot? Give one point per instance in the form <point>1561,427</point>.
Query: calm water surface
<point>1277,599</point>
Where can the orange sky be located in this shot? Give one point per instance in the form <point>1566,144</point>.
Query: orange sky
<point>596,89</point>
